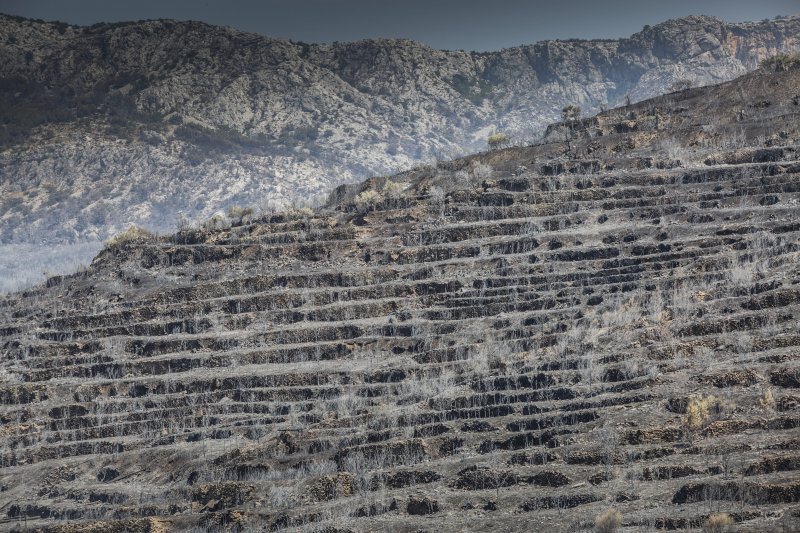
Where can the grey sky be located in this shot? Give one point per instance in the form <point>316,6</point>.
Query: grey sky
<point>451,24</point>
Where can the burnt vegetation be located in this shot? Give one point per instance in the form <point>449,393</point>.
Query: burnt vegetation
<point>596,332</point>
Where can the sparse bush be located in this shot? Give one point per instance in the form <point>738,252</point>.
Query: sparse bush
<point>781,63</point>
<point>767,401</point>
<point>608,522</point>
<point>132,234</point>
<point>497,140</point>
<point>476,90</point>
<point>699,413</point>
<point>216,222</point>
<point>182,223</point>
<point>461,178</point>
<point>240,215</point>
<point>437,201</point>
<point>482,171</point>
<point>368,199</point>
<point>571,112</point>
<point>296,213</point>
<point>680,85</point>
<point>281,498</point>
<point>717,523</point>
<point>392,190</point>
<point>394,194</point>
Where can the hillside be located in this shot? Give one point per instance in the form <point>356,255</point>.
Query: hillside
<point>519,340</point>
<point>157,122</point>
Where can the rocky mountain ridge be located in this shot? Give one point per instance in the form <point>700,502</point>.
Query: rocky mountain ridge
<point>154,122</point>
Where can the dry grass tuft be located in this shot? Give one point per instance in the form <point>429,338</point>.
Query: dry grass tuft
<point>717,523</point>
<point>608,522</point>
<point>132,234</point>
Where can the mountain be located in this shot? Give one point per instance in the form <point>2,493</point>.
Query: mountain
<point>594,331</point>
<point>157,122</point>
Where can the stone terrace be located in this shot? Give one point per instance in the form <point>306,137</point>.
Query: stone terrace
<point>514,341</point>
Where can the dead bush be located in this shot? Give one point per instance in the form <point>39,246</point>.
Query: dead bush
<point>132,234</point>
<point>717,523</point>
<point>608,522</point>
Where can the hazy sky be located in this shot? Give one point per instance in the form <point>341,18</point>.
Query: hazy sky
<point>451,24</point>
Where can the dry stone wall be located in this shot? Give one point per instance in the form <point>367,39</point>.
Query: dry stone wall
<point>516,341</point>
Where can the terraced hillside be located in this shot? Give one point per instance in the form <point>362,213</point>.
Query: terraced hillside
<point>159,122</point>
<point>515,341</point>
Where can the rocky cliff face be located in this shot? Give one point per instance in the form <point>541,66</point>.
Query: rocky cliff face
<point>149,122</point>
<point>523,340</point>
